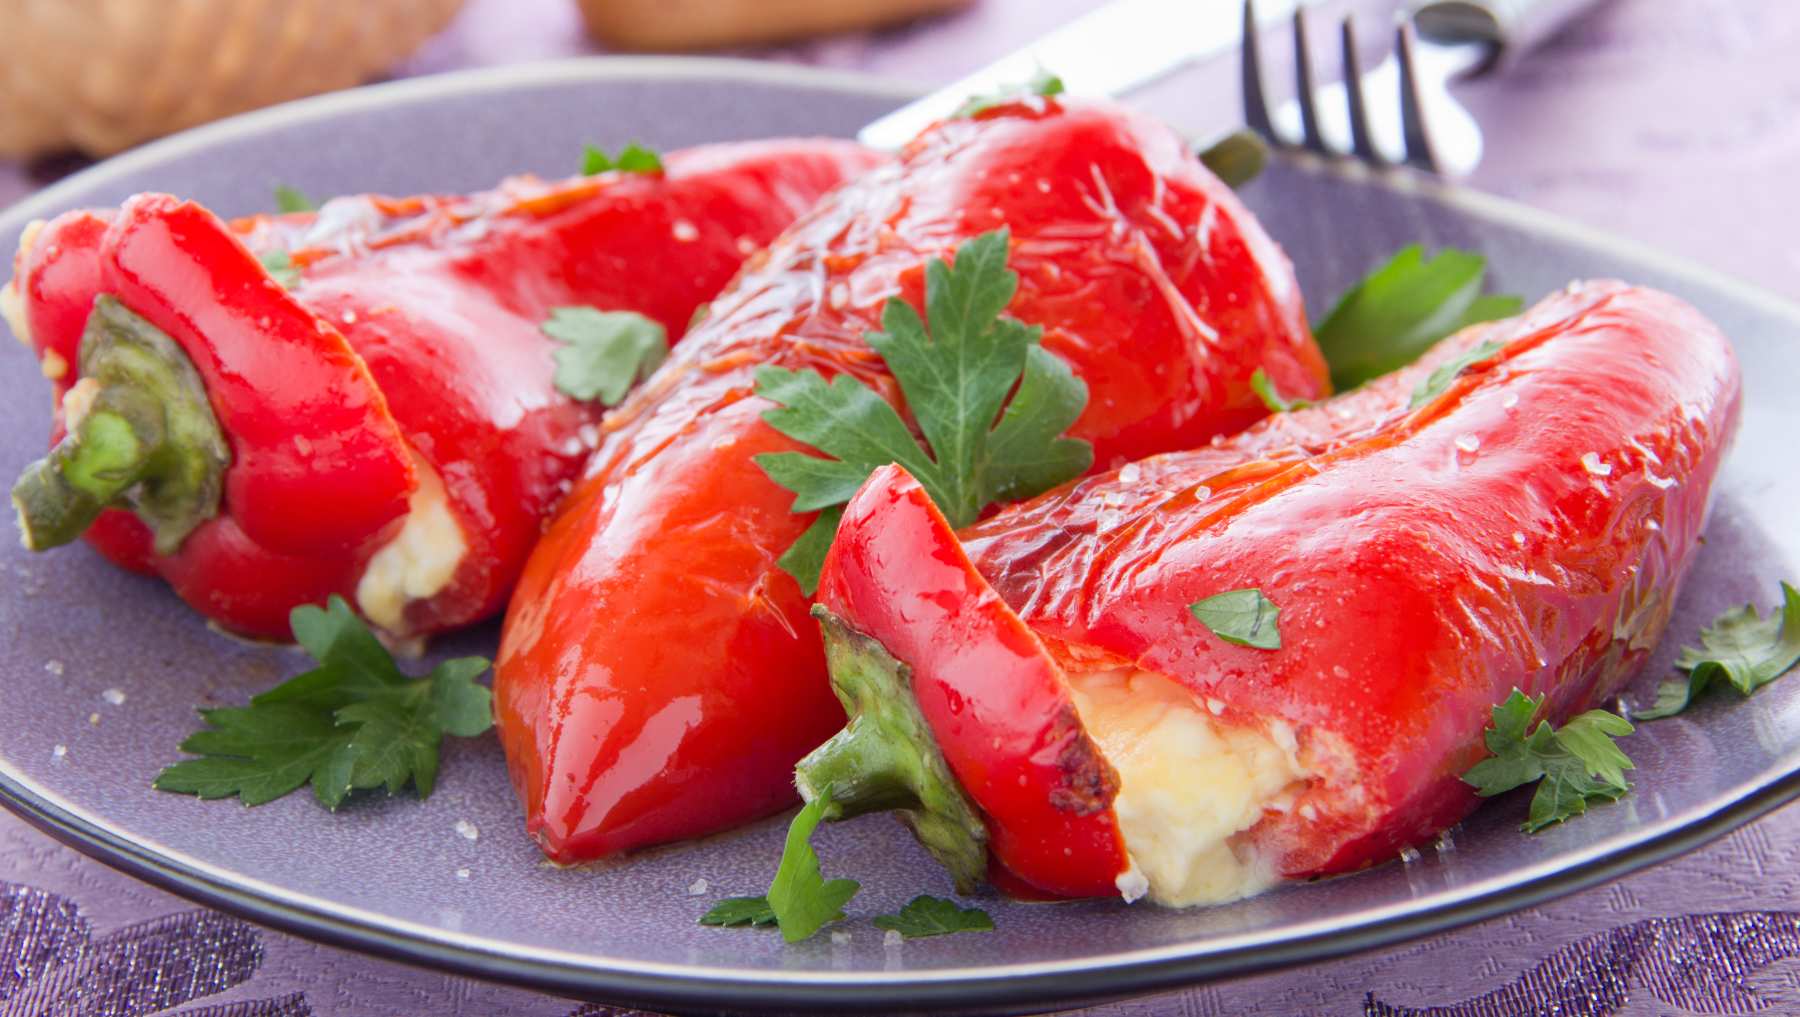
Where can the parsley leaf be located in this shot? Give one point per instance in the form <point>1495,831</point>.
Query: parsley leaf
<point>736,911</point>
<point>1741,647</point>
<point>633,158</point>
<point>956,376</point>
<point>280,267</point>
<point>1042,84</point>
<point>1575,764</point>
<point>1244,617</point>
<point>355,721</point>
<point>606,352</point>
<point>1401,308</point>
<point>802,899</point>
<point>291,199</point>
<point>926,915</point>
<point>1272,399</point>
<point>805,557</point>
<point>1440,378</point>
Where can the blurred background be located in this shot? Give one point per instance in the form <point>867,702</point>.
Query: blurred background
<point>1692,103</point>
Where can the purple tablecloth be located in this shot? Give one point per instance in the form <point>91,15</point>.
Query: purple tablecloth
<point>1672,122</point>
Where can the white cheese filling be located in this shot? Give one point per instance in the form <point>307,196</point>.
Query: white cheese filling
<point>12,301</point>
<point>1189,782</point>
<point>419,562</point>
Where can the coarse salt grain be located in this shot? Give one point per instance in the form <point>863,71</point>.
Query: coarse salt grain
<point>59,751</point>
<point>116,697</point>
<point>467,830</point>
<point>462,873</point>
<point>685,231</point>
<point>892,938</point>
<point>55,667</point>
<point>1590,461</point>
<point>840,938</point>
<point>697,887</point>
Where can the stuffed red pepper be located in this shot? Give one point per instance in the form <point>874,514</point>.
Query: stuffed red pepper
<point>361,401</point>
<point>1079,713</point>
<point>659,674</point>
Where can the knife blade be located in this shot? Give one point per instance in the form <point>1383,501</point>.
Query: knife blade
<point>1110,51</point>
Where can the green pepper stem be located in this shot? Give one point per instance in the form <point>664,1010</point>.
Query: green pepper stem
<point>146,440</point>
<point>60,495</point>
<point>886,757</point>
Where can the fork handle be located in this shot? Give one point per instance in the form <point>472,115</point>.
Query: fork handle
<point>1512,26</point>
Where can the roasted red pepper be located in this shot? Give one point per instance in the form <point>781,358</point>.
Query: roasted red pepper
<point>658,674</point>
<point>1527,526</point>
<point>387,429</point>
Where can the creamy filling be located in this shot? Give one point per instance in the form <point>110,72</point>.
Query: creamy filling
<point>12,301</point>
<point>1190,781</point>
<point>421,559</point>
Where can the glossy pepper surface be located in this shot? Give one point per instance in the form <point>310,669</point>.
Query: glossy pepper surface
<point>659,675</point>
<point>376,371</point>
<point>1527,526</point>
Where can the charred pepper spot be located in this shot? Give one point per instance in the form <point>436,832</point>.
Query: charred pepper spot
<point>1088,783</point>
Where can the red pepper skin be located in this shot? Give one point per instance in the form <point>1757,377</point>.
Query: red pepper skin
<point>308,426</point>
<point>993,696</point>
<point>439,300</point>
<point>658,674</point>
<point>1529,528</point>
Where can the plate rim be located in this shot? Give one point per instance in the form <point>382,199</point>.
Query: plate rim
<point>994,986</point>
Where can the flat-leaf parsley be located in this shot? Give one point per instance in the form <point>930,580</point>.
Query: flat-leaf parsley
<point>604,353</point>
<point>1740,647</point>
<point>353,722</point>
<point>1403,307</point>
<point>1574,764</point>
<point>955,374</point>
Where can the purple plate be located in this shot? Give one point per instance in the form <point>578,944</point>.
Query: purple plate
<point>452,882</point>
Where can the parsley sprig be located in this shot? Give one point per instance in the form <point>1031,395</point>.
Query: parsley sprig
<point>926,915</point>
<point>801,901</point>
<point>281,268</point>
<point>604,352</point>
<point>955,373</point>
<point>353,722</point>
<point>292,199</point>
<point>1244,617</point>
<point>1742,648</point>
<point>1441,377</point>
<point>1399,310</point>
<point>1271,397</point>
<point>1042,84</point>
<point>1572,765</point>
<point>633,158</point>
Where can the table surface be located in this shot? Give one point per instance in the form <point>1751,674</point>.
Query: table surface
<point>1675,123</point>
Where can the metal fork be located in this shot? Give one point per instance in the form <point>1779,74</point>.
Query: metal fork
<point>1431,132</point>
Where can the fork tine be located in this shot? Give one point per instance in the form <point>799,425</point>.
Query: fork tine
<point>1256,102</point>
<point>1303,83</point>
<point>1362,142</point>
<point>1419,152</point>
